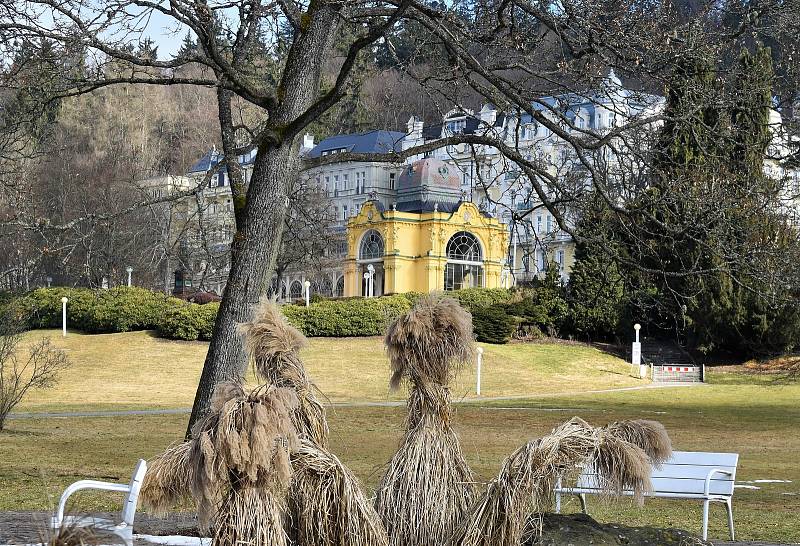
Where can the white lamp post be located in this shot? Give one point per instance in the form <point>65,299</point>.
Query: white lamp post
<point>636,353</point>
<point>307,286</point>
<point>366,284</point>
<point>480,362</point>
<point>129,269</point>
<point>371,282</point>
<point>49,280</point>
<point>64,301</point>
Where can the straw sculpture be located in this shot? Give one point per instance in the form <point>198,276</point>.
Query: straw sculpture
<point>326,505</point>
<point>274,347</point>
<point>236,467</point>
<point>167,481</point>
<point>509,512</point>
<point>428,486</point>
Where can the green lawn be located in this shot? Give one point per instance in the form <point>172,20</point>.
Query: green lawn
<point>138,370</point>
<point>756,417</point>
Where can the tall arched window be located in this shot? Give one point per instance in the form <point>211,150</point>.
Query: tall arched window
<point>339,292</point>
<point>370,260</point>
<point>371,247</point>
<point>464,262</point>
<point>296,290</point>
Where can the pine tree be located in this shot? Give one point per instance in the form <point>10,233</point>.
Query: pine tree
<point>596,292</point>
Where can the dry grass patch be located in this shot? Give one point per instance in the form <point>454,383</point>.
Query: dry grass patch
<point>137,370</point>
<point>38,457</point>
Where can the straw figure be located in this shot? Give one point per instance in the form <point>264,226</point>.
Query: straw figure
<point>310,498</point>
<point>236,467</point>
<point>274,346</point>
<point>428,487</point>
<point>510,510</point>
<point>326,504</point>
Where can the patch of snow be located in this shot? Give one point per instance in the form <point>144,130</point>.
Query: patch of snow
<point>772,481</point>
<point>746,487</point>
<point>175,540</point>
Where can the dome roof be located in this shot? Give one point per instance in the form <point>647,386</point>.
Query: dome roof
<point>430,172</point>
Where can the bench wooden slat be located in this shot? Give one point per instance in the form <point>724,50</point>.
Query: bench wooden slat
<point>699,458</point>
<point>690,472</point>
<point>672,485</point>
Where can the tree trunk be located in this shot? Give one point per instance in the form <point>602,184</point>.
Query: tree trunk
<point>260,226</point>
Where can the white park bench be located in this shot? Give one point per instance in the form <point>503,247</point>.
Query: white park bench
<point>122,528</point>
<point>708,477</point>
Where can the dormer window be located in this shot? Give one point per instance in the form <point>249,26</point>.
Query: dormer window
<point>456,126</point>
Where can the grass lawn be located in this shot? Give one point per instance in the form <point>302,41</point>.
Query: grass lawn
<point>756,417</point>
<point>138,370</point>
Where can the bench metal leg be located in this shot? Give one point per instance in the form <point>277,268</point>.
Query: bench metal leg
<point>582,497</point>
<point>729,507</point>
<point>705,519</point>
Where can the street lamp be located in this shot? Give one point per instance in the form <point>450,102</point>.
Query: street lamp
<point>366,284</point>
<point>371,270</point>
<point>64,301</point>
<point>636,353</point>
<point>49,280</point>
<point>307,286</point>
<point>129,269</point>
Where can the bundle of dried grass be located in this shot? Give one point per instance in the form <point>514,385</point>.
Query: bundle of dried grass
<point>274,346</point>
<point>236,467</point>
<point>244,442</point>
<point>651,436</point>
<point>167,481</point>
<point>70,534</point>
<point>509,512</point>
<point>251,515</point>
<point>431,342</point>
<point>428,486</point>
<point>327,505</point>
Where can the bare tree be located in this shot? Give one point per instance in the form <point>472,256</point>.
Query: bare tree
<point>24,370</point>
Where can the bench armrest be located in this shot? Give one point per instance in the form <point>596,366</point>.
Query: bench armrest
<point>711,473</point>
<point>86,484</point>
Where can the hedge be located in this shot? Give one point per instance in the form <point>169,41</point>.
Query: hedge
<point>121,309</point>
<point>188,321</point>
<point>128,309</point>
<point>347,318</point>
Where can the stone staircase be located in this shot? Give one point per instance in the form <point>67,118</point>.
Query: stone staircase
<point>670,362</point>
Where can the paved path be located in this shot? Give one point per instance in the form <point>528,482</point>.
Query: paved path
<point>366,404</point>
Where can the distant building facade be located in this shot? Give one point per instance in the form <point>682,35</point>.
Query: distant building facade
<point>402,218</point>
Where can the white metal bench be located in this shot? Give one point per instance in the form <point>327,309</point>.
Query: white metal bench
<point>122,528</point>
<point>697,475</point>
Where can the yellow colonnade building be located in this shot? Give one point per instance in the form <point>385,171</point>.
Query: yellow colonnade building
<point>429,240</point>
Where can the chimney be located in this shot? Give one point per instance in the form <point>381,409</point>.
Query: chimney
<point>414,133</point>
<point>308,141</point>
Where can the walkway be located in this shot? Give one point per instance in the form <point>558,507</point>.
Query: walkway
<point>365,404</point>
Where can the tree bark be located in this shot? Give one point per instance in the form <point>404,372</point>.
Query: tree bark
<point>260,225</point>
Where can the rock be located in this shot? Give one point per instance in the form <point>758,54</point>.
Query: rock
<point>582,530</point>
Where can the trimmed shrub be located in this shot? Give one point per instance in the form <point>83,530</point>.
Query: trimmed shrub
<point>493,324</point>
<point>188,321</point>
<point>42,307</point>
<point>126,309</point>
<point>476,298</point>
<point>347,318</point>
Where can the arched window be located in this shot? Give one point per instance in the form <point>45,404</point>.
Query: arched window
<point>326,287</point>
<point>339,288</point>
<point>371,247</point>
<point>463,246</point>
<point>296,290</point>
<point>464,262</point>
